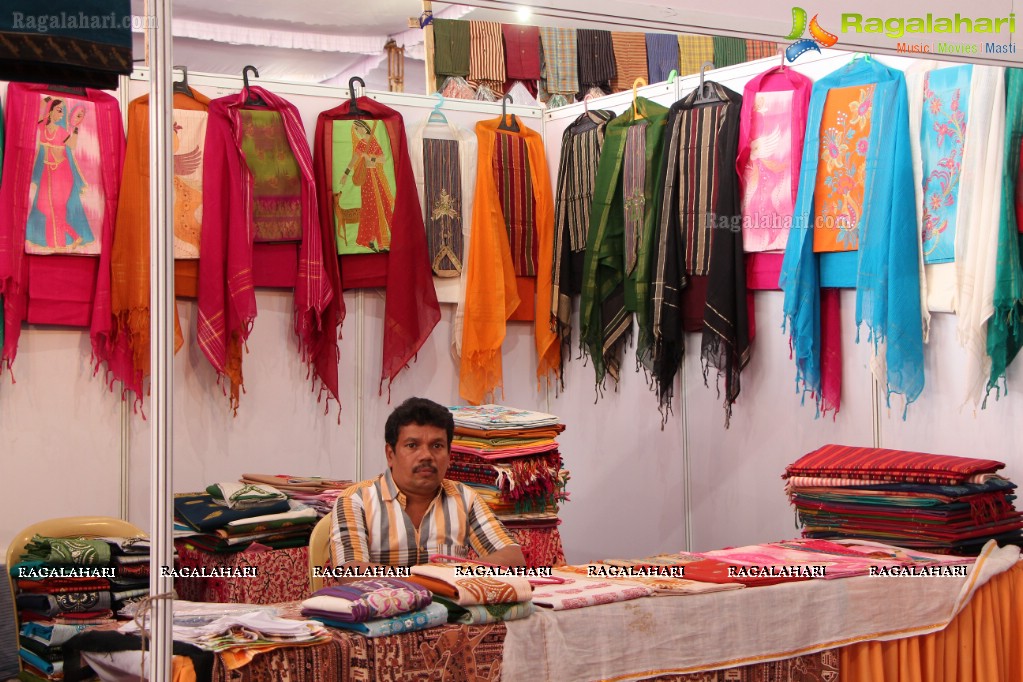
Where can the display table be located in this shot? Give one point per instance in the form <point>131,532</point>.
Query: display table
<point>281,575</point>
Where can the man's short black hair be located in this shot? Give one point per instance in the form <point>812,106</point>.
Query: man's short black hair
<point>418,411</point>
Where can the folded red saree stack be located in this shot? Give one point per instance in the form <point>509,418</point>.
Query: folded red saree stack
<point>939,503</point>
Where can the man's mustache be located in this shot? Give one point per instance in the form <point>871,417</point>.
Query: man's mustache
<point>425,466</point>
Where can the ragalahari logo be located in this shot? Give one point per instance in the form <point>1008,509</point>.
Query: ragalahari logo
<point>819,37</point>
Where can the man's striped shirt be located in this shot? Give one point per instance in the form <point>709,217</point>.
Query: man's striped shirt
<point>370,525</point>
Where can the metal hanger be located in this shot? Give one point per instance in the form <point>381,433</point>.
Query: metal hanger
<point>437,116</point>
<point>251,98</point>
<point>701,94</point>
<point>354,109</point>
<point>635,109</point>
<point>512,126</point>
<point>182,85</point>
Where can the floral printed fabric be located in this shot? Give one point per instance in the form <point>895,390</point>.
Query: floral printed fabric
<point>365,600</point>
<point>942,138</point>
<point>845,135</point>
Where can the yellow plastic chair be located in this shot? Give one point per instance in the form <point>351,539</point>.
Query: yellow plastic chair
<point>64,527</point>
<point>319,551</point>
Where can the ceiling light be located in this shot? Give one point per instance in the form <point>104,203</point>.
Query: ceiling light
<point>523,13</point>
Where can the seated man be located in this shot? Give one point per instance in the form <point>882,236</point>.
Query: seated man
<point>410,512</point>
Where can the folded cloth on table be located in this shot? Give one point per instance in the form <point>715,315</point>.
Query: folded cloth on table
<point>298,514</point>
<point>495,417</point>
<point>363,600</point>
<point>50,634</point>
<point>432,615</point>
<point>297,483</point>
<point>202,513</point>
<point>839,482</point>
<point>79,551</point>
<point>478,614</point>
<point>52,670</point>
<point>889,465</point>
<point>46,652</point>
<point>266,626</point>
<point>63,603</point>
<point>466,590</point>
<point>662,585</point>
<point>50,585</point>
<point>132,546</point>
<point>577,592</point>
<point>237,495</point>
<point>274,539</point>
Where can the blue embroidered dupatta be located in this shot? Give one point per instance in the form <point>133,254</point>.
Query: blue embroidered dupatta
<point>887,269</point>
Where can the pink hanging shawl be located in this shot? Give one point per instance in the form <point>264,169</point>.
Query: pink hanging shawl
<point>51,299</point>
<point>227,302</point>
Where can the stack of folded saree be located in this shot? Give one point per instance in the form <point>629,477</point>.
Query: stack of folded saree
<point>312,491</point>
<point>475,599</point>
<point>230,517</point>
<point>375,607</point>
<point>68,585</point>
<point>937,503</point>
<point>511,457</point>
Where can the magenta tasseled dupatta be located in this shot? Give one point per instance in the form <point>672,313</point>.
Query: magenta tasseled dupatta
<point>227,299</point>
<point>411,310</point>
<point>60,295</point>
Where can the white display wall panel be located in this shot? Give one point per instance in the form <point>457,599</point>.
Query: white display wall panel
<point>59,433</point>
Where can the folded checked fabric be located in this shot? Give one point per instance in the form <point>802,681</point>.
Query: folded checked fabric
<point>363,600</point>
<point>478,614</point>
<point>77,551</point>
<point>431,616</point>
<point>237,495</point>
<point>578,592</point>
<point>202,513</point>
<point>471,590</point>
<point>64,602</point>
<point>889,465</point>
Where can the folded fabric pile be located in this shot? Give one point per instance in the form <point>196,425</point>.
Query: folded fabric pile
<point>511,458</point>
<point>574,591</point>
<point>938,503</point>
<point>68,585</point>
<point>232,516</point>
<point>474,600</point>
<point>375,607</point>
<point>312,491</point>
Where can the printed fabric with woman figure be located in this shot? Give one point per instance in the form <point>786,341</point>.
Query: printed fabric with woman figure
<point>59,218</point>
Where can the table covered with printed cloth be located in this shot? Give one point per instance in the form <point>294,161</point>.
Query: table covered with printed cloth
<point>274,576</point>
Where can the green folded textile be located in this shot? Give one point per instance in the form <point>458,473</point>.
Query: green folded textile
<point>485,613</point>
<point>77,551</point>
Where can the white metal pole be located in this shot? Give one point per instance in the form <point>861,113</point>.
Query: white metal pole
<point>161,291</point>
<point>360,361</point>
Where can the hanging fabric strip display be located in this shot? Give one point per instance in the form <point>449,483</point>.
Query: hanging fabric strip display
<point>630,59</point>
<point>451,44</point>
<point>521,56</point>
<point>515,189</point>
<point>577,170</point>
<point>461,202</point>
<point>728,51</point>
<point>610,294</point>
<point>260,171</point>
<point>492,291</point>
<point>662,55</point>
<point>694,50</point>
<point>443,206</point>
<point>958,210</point>
<point>411,311</point>
<point>560,64</point>
<point>596,59</point>
<point>760,49</point>
<point>700,277</point>
<point>1005,329</point>
<point>130,267</point>
<point>486,55</point>
<point>70,148</point>
<point>885,270</point>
